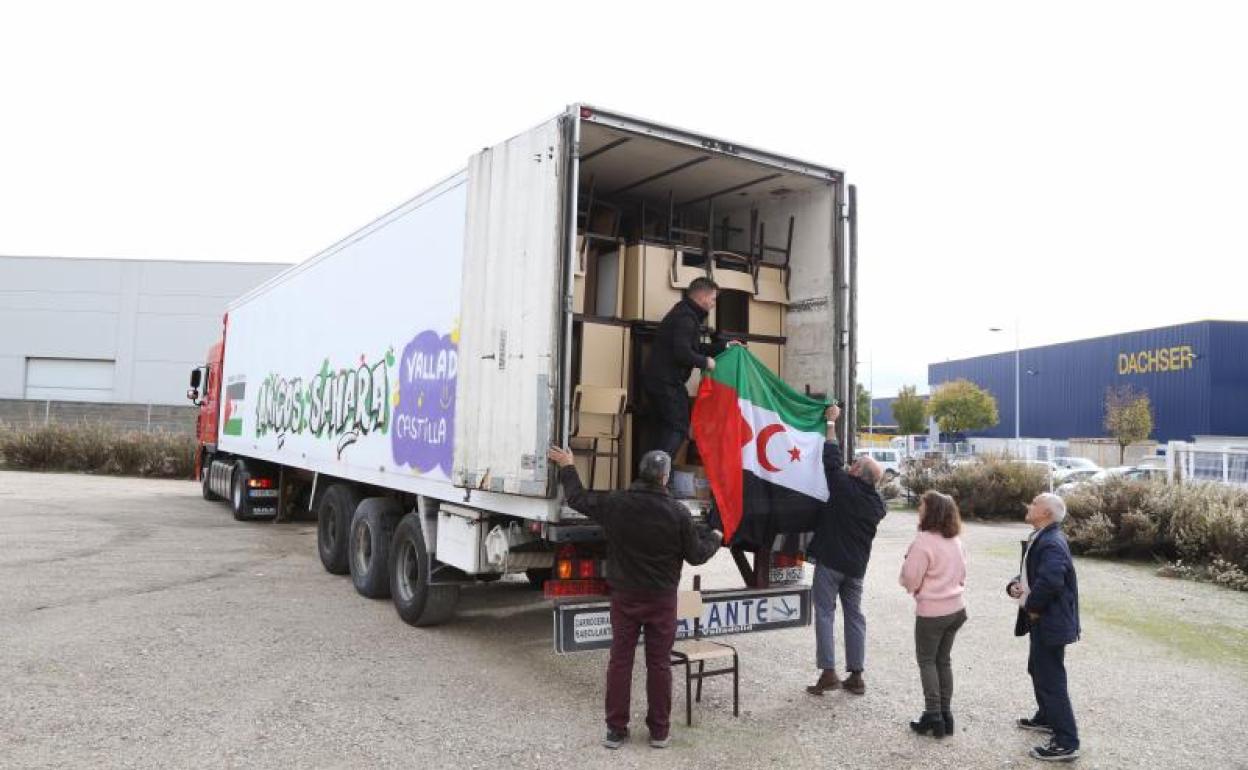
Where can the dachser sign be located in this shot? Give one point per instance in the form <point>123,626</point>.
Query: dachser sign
<point>1172,359</point>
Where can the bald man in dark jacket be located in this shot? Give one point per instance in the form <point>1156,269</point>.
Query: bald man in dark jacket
<point>649,536</point>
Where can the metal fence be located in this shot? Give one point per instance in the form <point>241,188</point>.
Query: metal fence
<point>1198,462</point>
<point>132,417</point>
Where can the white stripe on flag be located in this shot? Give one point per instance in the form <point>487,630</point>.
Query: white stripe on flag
<point>782,455</point>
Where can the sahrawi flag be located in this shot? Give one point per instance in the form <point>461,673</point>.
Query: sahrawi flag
<point>761,443</point>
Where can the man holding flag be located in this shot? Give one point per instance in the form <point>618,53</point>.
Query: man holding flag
<point>841,549</point>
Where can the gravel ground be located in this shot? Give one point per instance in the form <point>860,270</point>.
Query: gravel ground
<point>141,626</point>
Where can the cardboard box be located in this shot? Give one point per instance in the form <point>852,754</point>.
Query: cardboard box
<point>654,280</point>
<point>597,280</point>
<point>766,318</point>
<point>626,453</point>
<point>689,481</point>
<point>682,484</point>
<point>604,362</point>
<point>770,354</point>
<point>608,283</point>
<point>771,285</point>
<point>606,470</point>
<point>737,280</point>
<point>769,305</point>
<point>605,349</point>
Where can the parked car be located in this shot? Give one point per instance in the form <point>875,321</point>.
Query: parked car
<point>1072,477</point>
<point>889,460</point>
<point>1134,472</point>
<point>1067,467</point>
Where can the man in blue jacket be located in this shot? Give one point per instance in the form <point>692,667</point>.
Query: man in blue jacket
<point>1048,596</point>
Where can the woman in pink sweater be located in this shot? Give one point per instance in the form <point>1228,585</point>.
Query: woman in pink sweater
<point>934,573</point>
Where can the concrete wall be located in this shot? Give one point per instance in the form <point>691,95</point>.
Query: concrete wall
<point>20,413</point>
<point>1104,452</point>
<point>153,319</point>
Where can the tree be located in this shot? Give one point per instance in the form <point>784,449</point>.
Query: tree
<point>909,411</point>
<point>962,405</point>
<point>863,412</point>
<point>1128,417</point>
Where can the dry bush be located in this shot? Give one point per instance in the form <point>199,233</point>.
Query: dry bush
<point>1203,525</point>
<point>992,487</point>
<point>96,448</point>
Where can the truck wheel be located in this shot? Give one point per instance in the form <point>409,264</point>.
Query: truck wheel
<point>538,577</point>
<point>206,472</point>
<point>333,523</point>
<point>239,504</point>
<point>416,601</point>
<point>372,529</point>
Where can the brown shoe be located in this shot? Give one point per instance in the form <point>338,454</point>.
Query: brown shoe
<point>854,683</point>
<point>827,681</point>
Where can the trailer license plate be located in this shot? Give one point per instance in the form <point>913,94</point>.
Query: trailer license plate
<point>580,627</point>
<point>781,575</point>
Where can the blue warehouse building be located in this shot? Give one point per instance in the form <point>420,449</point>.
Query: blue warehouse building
<point>1195,375</point>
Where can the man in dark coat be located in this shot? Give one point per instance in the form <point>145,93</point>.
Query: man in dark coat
<point>676,352</point>
<point>841,548</point>
<point>1047,592</point>
<point>649,535</point>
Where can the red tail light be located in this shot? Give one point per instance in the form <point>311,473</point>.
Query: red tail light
<point>787,560</point>
<point>555,589</point>
<point>585,568</point>
<point>260,483</point>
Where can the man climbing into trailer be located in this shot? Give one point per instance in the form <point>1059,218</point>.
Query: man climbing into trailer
<point>649,535</point>
<point>677,350</point>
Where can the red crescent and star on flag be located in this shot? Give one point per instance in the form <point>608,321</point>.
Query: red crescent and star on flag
<point>764,436</point>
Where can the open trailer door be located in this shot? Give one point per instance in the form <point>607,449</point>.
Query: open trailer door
<point>507,397</point>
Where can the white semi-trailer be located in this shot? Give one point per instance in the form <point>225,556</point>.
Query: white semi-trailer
<point>404,384</point>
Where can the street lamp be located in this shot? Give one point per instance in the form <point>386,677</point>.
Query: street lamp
<point>1017,433</point>
<point>871,388</point>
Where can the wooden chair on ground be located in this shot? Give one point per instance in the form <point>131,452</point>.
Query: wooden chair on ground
<point>598,415</point>
<point>699,650</point>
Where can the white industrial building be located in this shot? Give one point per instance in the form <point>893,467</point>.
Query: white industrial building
<point>112,330</point>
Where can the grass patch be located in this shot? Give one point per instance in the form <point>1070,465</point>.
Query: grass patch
<point>1212,642</point>
<point>1003,551</point>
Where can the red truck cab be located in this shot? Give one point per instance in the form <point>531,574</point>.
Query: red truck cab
<point>205,392</point>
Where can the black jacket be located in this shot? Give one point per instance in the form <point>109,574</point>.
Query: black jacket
<point>1054,590</point>
<point>846,525</point>
<point>648,533</point>
<point>678,348</point>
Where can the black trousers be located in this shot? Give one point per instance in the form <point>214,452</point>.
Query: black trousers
<point>1047,665</point>
<point>669,416</point>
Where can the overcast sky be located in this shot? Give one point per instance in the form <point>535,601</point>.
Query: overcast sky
<point>1080,167</point>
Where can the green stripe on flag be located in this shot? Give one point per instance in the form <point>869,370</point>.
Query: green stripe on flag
<point>741,370</point>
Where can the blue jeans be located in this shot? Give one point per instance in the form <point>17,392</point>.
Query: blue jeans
<point>829,584</point>
<point>1047,666</point>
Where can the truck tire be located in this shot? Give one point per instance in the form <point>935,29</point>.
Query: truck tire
<point>240,506</point>
<point>206,473</point>
<point>416,601</point>
<point>372,529</point>
<point>333,525</point>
